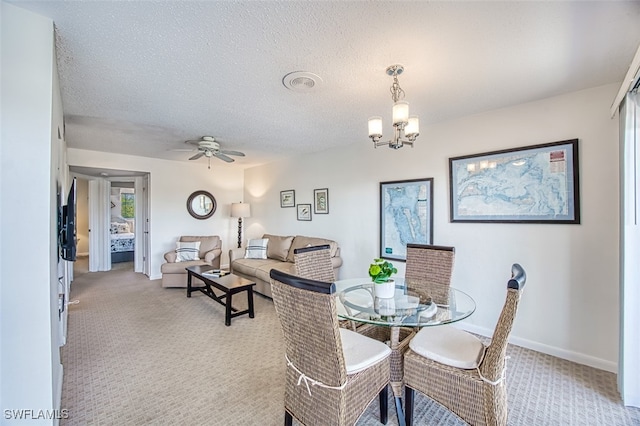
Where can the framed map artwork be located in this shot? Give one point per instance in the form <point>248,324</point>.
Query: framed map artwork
<point>531,184</point>
<point>406,216</point>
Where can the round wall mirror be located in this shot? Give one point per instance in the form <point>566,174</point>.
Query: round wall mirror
<point>201,205</point>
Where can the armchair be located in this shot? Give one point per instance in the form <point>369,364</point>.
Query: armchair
<point>173,271</point>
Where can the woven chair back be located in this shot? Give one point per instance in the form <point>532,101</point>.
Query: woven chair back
<point>310,327</point>
<point>493,363</point>
<point>428,270</point>
<point>314,263</point>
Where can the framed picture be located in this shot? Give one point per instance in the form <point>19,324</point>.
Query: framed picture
<point>321,201</point>
<point>304,211</point>
<point>406,216</point>
<point>532,184</point>
<point>288,198</point>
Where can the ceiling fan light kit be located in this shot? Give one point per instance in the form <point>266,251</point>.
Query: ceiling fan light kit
<point>406,128</point>
<point>208,147</point>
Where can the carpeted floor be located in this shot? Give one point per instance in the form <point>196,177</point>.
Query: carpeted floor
<point>139,354</point>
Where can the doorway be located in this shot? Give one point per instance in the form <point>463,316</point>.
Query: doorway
<point>113,217</point>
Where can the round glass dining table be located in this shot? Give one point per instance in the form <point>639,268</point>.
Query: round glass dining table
<point>414,305</point>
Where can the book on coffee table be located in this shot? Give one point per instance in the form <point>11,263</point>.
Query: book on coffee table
<point>215,273</point>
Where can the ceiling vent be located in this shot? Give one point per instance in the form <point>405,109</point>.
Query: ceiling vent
<point>301,81</point>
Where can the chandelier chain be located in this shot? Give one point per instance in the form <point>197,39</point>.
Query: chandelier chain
<point>396,91</point>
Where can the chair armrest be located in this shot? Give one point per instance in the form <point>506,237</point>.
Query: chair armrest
<point>170,257</point>
<point>212,254</point>
<point>236,253</point>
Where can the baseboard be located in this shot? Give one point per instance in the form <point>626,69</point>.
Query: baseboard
<point>577,357</point>
<point>56,420</point>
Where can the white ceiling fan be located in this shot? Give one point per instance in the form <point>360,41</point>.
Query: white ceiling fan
<point>208,147</point>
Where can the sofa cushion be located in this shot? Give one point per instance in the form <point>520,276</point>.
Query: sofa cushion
<point>263,272</point>
<point>187,251</point>
<point>256,249</point>
<point>207,243</point>
<point>278,247</point>
<point>300,241</point>
<point>250,266</point>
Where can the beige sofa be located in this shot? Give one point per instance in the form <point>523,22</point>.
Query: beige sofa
<point>174,273</point>
<point>279,256</point>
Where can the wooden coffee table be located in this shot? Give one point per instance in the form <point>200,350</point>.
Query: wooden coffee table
<point>229,284</point>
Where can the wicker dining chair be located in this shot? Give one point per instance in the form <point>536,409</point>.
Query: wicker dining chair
<point>332,373</point>
<point>427,274</point>
<point>314,263</point>
<point>457,370</point>
<point>428,270</point>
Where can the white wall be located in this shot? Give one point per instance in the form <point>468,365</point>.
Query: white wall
<point>570,306</point>
<point>170,184</point>
<point>31,109</point>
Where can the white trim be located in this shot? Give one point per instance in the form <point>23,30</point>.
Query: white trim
<point>577,357</point>
<point>632,76</point>
<point>58,397</point>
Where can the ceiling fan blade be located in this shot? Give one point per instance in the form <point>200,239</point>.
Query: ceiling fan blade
<point>223,157</point>
<point>238,153</point>
<point>198,155</point>
<point>182,150</point>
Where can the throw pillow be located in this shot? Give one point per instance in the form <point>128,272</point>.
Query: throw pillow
<point>278,246</point>
<point>123,228</point>
<point>256,249</point>
<point>113,228</point>
<point>187,251</point>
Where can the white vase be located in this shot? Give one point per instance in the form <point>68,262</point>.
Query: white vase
<point>384,290</point>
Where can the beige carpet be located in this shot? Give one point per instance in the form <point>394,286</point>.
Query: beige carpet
<point>138,354</point>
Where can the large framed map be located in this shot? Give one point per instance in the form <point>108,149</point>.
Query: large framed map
<point>531,184</point>
<point>406,216</point>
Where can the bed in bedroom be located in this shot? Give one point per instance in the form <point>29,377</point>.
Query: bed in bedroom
<point>122,242</point>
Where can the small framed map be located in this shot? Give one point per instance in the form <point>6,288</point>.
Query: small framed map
<point>406,216</point>
<point>531,184</point>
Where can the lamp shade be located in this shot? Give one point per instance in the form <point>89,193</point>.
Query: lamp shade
<point>240,210</point>
<point>413,127</point>
<point>400,112</point>
<point>375,126</point>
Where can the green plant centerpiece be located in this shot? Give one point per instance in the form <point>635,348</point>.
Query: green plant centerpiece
<point>380,271</point>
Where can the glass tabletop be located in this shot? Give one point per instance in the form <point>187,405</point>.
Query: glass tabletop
<point>415,304</point>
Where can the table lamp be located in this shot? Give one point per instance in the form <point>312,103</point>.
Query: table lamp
<point>240,210</point>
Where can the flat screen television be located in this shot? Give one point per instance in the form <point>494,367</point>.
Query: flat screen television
<point>67,236</point>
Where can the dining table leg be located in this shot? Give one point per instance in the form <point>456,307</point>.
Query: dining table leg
<point>397,372</point>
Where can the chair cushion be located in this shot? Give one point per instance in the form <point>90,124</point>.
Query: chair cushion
<point>361,352</point>
<point>187,251</point>
<point>278,247</point>
<point>449,345</point>
<point>256,249</point>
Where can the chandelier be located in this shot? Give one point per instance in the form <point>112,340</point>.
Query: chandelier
<point>406,128</point>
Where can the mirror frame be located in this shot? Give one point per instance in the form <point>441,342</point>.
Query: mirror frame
<point>197,194</point>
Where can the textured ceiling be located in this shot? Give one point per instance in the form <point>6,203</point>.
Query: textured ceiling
<point>141,77</point>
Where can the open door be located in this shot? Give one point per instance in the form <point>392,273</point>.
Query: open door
<point>99,254</point>
<point>141,257</point>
